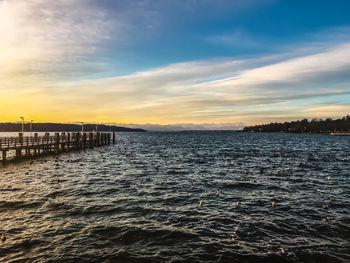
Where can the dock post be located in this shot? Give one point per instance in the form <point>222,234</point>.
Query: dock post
<point>18,153</point>
<point>91,140</point>
<point>47,138</point>
<point>113,137</point>
<point>27,147</point>
<point>109,138</point>
<point>37,147</point>
<point>3,156</point>
<point>84,140</point>
<point>20,138</point>
<point>34,142</point>
<point>52,146</point>
<point>97,139</point>
<point>68,141</point>
<point>19,150</point>
<point>77,140</point>
<point>63,141</point>
<point>74,140</point>
<point>57,142</point>
<point>80,140</point>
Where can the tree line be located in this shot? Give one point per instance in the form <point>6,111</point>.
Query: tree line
<point>305,126</point>
<point>62,127</point>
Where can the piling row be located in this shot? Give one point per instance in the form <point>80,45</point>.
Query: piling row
<point>32,146</point>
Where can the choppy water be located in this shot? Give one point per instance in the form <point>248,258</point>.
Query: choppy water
<point>138,200</point>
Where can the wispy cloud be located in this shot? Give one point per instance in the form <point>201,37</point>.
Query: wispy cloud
<point>42,41</point>
<point>237,38</point>
<point>338,109</point>
<point>219,91</point>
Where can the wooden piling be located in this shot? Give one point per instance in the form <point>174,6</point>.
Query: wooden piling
<point>4,156</point>
<point>98,139</point>
<point>18,153</point>
<point>91,140</point>
<point>84,141</point>
<point>57,142</point>
<point>63,141</point>
<point>68,141</point>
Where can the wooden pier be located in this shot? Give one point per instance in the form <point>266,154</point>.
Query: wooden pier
<point>33,146</point>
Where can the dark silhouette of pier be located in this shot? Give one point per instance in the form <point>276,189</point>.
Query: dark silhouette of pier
<point>33,146</point>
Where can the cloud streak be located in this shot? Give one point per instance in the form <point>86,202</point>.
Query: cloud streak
<point>225,90</point>
<point>72,27</point>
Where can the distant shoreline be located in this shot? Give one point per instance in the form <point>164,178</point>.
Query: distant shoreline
<point>315,126</point>
<point>63,127</point>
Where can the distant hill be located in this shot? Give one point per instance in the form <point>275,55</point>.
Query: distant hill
<point>313,126</point>
<point>62,127</point>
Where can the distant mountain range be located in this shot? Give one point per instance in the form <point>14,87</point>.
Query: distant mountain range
<point>62,127</point>
<point>312,126</point>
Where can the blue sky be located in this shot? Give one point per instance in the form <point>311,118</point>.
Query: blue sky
<point>216,64</point>
<point>186,30</point>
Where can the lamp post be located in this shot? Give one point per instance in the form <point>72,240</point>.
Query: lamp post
<point>82,127</point>
<point>96,127</point>
<point>22,123</point>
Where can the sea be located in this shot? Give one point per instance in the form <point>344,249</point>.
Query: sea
<point>182,197</point>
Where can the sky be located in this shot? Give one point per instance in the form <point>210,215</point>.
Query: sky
<point>176,64</point>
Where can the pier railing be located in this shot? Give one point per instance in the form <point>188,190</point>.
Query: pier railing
<point>31,146</point>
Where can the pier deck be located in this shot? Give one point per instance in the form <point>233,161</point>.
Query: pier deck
<point>32,146</point>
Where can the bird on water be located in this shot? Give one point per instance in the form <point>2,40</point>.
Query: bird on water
<point>3,237</point>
